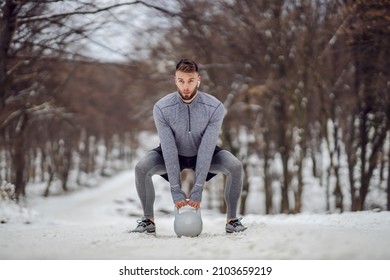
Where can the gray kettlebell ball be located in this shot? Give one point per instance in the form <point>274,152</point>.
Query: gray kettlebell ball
<point>188,222</point>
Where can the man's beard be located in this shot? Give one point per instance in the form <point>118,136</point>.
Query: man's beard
<point>188,97</point>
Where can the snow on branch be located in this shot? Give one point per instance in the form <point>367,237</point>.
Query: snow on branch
<point>44,109</point>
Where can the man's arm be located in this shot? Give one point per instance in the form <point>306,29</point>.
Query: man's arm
<point>205,152</point>
<point>170,154</point>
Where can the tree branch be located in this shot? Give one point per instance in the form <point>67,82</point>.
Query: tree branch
<point>24,20</point>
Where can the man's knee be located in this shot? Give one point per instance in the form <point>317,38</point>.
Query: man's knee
<point>142,166</point>
<point>235,164</point>
<point>230,163</point>
<point>149,164</point>
<point>138,167</point>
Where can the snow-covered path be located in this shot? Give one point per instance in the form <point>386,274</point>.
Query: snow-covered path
<point>94,224</point>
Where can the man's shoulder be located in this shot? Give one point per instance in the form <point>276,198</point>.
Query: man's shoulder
<point>168,100</point>
<point>209,99</point>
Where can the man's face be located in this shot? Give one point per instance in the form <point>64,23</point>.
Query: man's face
<point>187,84</point>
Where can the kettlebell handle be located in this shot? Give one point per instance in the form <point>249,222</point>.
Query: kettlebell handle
<point>176,211</point>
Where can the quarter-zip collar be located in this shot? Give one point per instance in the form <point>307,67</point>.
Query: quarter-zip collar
<point>190,101</point>
<point>188,105</point>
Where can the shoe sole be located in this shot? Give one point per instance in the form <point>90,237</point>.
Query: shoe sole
<point>145,231</point>
<point>233,231</point>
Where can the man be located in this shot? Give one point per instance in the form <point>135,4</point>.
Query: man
<point>188,123</point>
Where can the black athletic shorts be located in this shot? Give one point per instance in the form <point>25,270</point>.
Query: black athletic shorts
<point>188,162</point>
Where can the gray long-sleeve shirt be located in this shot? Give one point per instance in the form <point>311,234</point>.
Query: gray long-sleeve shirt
<point>188,130</point>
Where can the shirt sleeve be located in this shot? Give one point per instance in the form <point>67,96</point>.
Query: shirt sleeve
<point>170,153</point>
<point>206,151</point>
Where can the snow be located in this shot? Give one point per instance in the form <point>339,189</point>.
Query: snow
<point>93,224</point>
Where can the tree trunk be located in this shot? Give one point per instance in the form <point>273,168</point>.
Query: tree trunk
<point>285,206</point>
<point>337,191</point>
<point>336,167</point>
<point>298,192</point>
<point>66,164</point>
<point>7,29</point>
<point>388,177</point>
<point>18,157</point>
<point>267,185</point>
<point>51,176</point>
<point>327,188</point>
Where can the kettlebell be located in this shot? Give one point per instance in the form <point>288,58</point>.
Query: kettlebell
<point>188,222</point>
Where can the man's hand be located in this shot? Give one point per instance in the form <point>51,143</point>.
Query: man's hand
<point>195,204</point>
<point>181,204</point>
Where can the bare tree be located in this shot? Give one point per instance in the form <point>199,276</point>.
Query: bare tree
<point>29,32</point>
<point>368,37</point>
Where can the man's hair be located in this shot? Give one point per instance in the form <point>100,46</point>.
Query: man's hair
<point>187,66</point>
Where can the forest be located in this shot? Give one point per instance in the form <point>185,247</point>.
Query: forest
<point>306,86</point>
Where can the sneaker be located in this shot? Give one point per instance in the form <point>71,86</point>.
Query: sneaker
<point>235,226</point>
<point>145,225</point>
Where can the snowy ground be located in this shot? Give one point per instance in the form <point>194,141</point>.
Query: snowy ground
<point>94,224</point>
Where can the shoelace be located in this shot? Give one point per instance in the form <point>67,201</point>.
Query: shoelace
<point>144,223</point>
<point>236,222</point>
